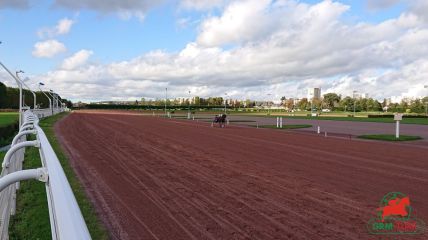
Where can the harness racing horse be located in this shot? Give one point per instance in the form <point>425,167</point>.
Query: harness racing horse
<point>220,119</point>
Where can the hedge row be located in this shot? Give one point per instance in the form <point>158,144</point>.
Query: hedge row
<point>148,107</point>
<point>392,116</point>
<point>7,133</point>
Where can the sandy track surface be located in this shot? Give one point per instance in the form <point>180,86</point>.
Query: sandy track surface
<point>153,178</point>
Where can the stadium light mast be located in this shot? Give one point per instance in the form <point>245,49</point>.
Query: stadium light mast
<point>166,98</point>
<point>20,95</point>
<point>20,90</point>
<point>225,103</point>
<point>50,102</point>
<point>34,94</point>
<point>353,96</point>
<point>54,102</point>
<point>426,103</point>
<point>56,99</point>
<point>188,113</point>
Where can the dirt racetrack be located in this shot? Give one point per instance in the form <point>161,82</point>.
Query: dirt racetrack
<point>154,178</point>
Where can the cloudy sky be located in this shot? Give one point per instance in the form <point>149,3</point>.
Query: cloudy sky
<point>92,50</point>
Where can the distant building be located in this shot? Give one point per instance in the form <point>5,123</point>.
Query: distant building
<point>408,100</point>
<point>360,95</point>
<point>388,101</point>
<point>314,93</point>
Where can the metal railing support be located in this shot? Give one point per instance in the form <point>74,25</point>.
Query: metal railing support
<point>28,123</point>
<point>64,213</point>
<point>22,133</point>
<point>40,174</point>
<point>27,127</point>
<point>15,148</point>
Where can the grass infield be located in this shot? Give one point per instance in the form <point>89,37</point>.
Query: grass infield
<point>421,121</point>
<point>32,217</point>
<point>388,137</point>
<point>8,118</point>
<point>8,127</point>
<point>286,126</point>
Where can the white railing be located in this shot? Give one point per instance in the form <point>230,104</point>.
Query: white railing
<point>65,216</point>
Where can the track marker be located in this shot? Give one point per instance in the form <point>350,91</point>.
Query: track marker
<point>325,134</point>
<point>319,130</point>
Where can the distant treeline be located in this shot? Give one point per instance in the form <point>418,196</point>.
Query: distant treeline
<point>148,107</point>
<point>9,98</point>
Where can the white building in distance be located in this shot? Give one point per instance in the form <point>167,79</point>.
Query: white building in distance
<point>314,93</point>
<point>360,95</point>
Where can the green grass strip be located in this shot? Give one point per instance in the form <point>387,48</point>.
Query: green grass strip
<point>297,126</point>
<point>8,118</point>
<point>387,137</point>
<point>32,218</point>
<point>420,121</point>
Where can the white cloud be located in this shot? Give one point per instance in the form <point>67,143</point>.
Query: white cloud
<point>240,21</point>
<point>76,60</point>
<point>48,49</point>
<point>252,20</point>
<point>202,4</point>
<point>280,47</point>
<point>420,8</point>
<point>63,27</point>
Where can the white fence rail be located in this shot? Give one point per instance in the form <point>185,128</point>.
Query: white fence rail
<point>65,216</point>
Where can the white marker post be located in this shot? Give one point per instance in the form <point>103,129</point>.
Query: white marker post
<point>319,130</point>
<point>277,122</point>
<point>398,117</point>
<point>280,122</point>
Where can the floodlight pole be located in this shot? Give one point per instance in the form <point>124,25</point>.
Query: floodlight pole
<point>34,94</point>
<point>53,100</point>
<point>225,103</point>
<point>426,104</point>
<point>353,96</point>
<point>20,91</point>
<point>311,94</point>
<point>166,97</point>
<point>188,113</point>
<point>18,80</point>
<point>56,100</point>
<point>50,102</point>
